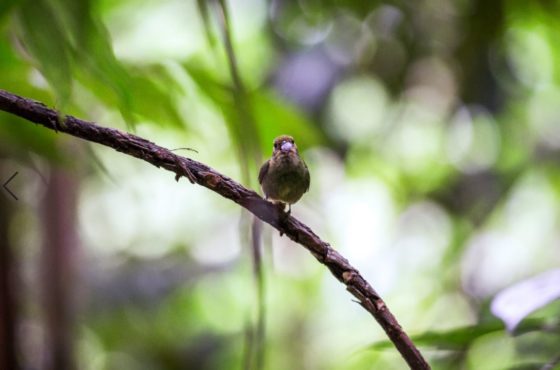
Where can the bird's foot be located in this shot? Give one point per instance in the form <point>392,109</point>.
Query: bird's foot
<point>284,215</point>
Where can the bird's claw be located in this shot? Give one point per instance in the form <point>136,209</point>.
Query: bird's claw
<point>284,215</point>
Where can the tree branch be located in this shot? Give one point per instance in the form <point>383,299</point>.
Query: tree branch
<point>205,176</point>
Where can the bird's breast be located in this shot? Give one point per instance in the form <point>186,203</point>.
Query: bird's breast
<point>285,179</point>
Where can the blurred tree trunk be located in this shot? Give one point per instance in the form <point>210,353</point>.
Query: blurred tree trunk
<point>8,288</point>
<point>486,27</point>
<point>58,268</point>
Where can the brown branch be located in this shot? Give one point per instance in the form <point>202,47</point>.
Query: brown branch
<point>205,176</point>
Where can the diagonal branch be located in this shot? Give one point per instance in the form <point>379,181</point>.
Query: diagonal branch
<point>205,176</point>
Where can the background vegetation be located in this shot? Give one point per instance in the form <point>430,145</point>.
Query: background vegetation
<point>432,134</point>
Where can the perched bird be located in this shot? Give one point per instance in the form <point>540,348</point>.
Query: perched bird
<point>284,177</point>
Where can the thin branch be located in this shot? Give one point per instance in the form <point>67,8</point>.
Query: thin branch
<point>245,128</point>
<point>248,142</point>
<point>205,176</point>
<point>259,276</point>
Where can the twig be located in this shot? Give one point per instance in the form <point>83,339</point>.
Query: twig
<point>247,132</point>
<point>205,176</point>
<point>258,273</point>
<point>190,149</point>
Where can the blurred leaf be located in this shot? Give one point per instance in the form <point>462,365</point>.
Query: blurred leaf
<point>530,366</point>
<point>209,85</point>
<point>153,93</point>
<point>6,6</point>
<point>19,137</point>
<point>451,339</point>
<point>223,97</point>
<point>463,337</point>
<point>243,129</point>
<point>46,41</point>
<point>100,62</point>
<point>67,36</point>
<point>516,302</point>
<point>276,117</point>
<point>93,53</point>
<point>273,115</point>
<point>204,14</point>
<point>77,18</point>
<point>15,74</point>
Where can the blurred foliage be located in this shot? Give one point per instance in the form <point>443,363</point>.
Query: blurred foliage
<point>430,128</point>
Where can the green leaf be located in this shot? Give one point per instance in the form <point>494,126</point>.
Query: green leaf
<point>233,110</point>
<point>450,339</point>
<point>205,16</point>
<point>96,57</point>
<point>461,338</point>
<point>208,84</point>
<point>273,115</point>
<point>85,44</point>
<point>154,96</point>
<point>44,38</point>
<point>18,138</point>
<point>277,117</point>
<point>6,6</point>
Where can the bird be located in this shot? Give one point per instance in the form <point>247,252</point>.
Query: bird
<point>284,178</point>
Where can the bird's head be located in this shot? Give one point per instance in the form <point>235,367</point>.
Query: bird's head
<point>284,145</point>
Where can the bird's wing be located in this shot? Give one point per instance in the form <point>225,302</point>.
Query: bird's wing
<point>307,178</point>
<point>263,171</point>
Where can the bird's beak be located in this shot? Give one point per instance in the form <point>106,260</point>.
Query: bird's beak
<point>286,146</point>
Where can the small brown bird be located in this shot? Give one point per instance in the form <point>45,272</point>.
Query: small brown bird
<point>284,177</point>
